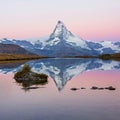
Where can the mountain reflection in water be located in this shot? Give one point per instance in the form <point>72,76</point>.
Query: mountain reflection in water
<point>62,70</point>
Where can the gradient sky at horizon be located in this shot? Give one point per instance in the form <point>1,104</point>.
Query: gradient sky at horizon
<point>89,19</point>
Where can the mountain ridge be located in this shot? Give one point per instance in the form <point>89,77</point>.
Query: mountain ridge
<point>61,42</point>
<point>13,49</point>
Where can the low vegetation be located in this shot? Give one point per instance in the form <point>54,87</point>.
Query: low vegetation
<point>110,56</point>
<point>27,78</point>
<point>7,57</point>
<point>26,69</point>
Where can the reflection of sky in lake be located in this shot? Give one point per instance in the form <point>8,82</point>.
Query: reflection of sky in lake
<point>49,104</point>
<point>63,70</point>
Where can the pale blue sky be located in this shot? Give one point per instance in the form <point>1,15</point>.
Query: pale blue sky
<point>90,19</point>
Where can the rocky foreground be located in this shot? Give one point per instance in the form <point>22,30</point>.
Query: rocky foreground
<point>28,78</point>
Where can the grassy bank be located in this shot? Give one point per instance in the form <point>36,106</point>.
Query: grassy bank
<point>8,57</point>
<point>110,56</point>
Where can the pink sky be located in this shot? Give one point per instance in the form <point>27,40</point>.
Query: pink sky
<point>89,19</point>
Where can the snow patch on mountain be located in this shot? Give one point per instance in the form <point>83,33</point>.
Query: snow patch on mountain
<point>109,44</point>
<point>61,33</point>
<point>62,42</point>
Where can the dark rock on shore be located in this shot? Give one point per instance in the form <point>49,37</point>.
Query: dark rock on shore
<point>74,89</point>
<point>100,88</point>
<point>27,78</point>
<point>94,88</point>
<point>83,88</point>
<point>31,88</point>
<point>110,88</point>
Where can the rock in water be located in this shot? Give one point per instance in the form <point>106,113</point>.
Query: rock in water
<point>74,89</point>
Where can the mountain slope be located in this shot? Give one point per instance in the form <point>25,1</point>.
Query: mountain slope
<point>61,35</point>
<point>62,42</point>
<point>13,49</point>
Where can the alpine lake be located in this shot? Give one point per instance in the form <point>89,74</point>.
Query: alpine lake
<point>77,89</point>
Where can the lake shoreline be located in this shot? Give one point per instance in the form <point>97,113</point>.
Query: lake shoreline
<point>19,57</point>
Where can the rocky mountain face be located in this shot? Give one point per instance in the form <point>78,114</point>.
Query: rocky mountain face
<point>62,42</point>
<point>13,49</point>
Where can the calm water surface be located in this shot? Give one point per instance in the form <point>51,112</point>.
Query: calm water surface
<point>56,100</point>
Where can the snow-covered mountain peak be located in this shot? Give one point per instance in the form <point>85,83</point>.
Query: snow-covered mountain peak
<point>60,31</point>
<point>62,35</point>
<point>62,42</point>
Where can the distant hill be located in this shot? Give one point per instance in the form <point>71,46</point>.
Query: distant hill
<point>15,52</point>
<point>8,57</point>
<point>61,42</point>
<point>13,49</point>
<point>115,56</point>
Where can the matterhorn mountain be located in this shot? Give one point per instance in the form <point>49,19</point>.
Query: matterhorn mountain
<point>62,37</point>
<point>61,42</point>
